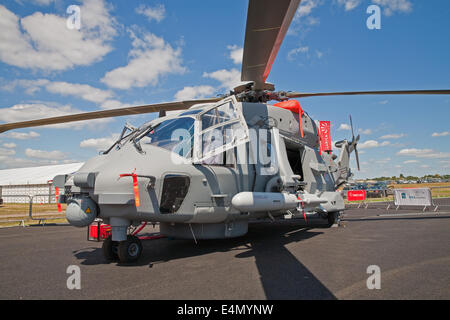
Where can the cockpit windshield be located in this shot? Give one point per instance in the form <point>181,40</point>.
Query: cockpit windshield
<point>175,135</point>
<point>216,129</point>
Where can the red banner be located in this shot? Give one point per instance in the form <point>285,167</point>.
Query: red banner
<point>325,136</point>
<point>356,195</point>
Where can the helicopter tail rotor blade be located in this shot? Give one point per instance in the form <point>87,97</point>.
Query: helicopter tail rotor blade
<point>170,106</point>
<point>353,93</point>
<point>267,24</point>
<point>355,143</point>
<point>351,125</point>
<point>357,159</point>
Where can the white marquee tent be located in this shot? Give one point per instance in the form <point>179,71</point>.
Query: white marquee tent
<point>32,181</point>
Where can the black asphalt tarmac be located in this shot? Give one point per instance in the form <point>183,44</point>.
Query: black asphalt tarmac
<point>279,260</point>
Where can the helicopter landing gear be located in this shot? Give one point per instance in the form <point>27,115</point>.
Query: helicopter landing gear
<point>125,251</point>
<point>129,250</point>
<point>110,249</point>
<point>333,218</point>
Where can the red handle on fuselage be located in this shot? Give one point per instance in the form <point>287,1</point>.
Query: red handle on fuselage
<point>57,199</point>
<point>135,187</point>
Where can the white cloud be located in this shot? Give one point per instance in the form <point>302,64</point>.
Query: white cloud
<point>441,134</point>
<point>96,20</point>
<point>156,13</point>
<point>393,136</point>
<point>372,144</point>
<point>82,91</point>
<point>344,126</point>
<point>7,152</point>
<point>12,162</point>
<point>236,53</point>
<point>445,163</point>
<point>305,8</point>
<point>23,135</point>
<point>10,145</point>
<point>384,102</point>
<point>46,42</point>
<point>423,153</point>
<point>383,161</point>
<point>392,6</point>
<point>31,86</point>
<point>41,154</point>
<point>43,2</point>
<point>100,143</point>
<point>349,4</point>
<point>312,21</point>
<point>150,59</point>
<point>294,52</point>
<point>228,78</point>
<point>196,92</point>
<point>365,131</point>
<point>114,104</point>
<point>411,161</point>
<point>23,112</point>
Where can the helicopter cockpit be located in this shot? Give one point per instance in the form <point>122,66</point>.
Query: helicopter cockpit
<point>201,135</point>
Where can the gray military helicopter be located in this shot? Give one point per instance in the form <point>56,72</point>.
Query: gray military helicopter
<point>206,171</point>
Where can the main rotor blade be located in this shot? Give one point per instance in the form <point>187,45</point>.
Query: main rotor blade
<point>354,93</point>
<point>267,24</point>
<point>170,106</point>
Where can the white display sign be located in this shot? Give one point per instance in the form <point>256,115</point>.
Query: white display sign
<point>413,197</point>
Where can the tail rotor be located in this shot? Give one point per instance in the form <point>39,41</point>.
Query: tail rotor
<point>354,143</point>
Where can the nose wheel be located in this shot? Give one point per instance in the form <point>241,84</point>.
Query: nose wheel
<point>125,251</point>
<point>130,250</point>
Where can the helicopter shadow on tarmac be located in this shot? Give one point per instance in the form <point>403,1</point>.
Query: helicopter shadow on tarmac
<point>282,275</point>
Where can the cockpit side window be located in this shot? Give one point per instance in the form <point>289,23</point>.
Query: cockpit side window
<point>220,128</point>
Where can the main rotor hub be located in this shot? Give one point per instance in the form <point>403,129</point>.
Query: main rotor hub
<point>248,92</point>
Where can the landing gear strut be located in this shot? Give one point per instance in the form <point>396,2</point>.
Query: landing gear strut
<point>109,248</point>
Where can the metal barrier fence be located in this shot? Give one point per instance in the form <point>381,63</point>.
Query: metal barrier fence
<point>441,197</point>
<point>440,200</point>
<point>31,199</point>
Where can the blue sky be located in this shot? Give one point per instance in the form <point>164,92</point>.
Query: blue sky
<point>142,52</point>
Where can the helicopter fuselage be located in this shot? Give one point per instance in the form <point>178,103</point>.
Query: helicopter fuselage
<point>266,169</point>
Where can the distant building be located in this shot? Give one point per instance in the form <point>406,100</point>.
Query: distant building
<point>32,181</point>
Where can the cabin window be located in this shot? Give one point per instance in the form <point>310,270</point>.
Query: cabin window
<point>220,129</point>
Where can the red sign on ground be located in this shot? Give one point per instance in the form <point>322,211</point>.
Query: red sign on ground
<point>356,195</point>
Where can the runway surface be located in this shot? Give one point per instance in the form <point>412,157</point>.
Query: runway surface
<point>279,260</point>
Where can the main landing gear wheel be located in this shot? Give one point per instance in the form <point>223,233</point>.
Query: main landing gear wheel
<point>332,217</point>
<point>130,250</point>
<point>110,249</point>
